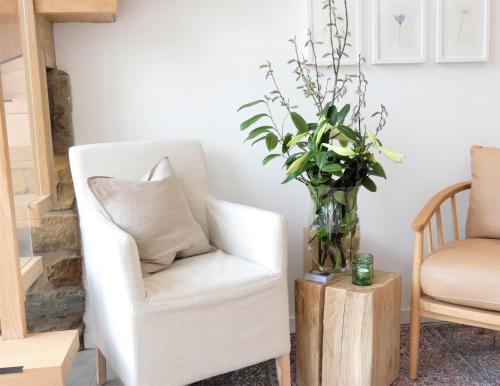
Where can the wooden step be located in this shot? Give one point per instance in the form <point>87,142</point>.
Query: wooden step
<point>43,359</point>
<point>30,208</point>
<point>31,270</point>
<point>93,11</point>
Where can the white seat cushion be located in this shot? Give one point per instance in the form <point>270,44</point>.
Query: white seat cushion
<point>212,277</point>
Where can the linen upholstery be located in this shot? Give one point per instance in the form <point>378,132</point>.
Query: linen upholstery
<point>155,213</point>
<point>484,210</point>
<point>464,272</point>
<point>181,330</point>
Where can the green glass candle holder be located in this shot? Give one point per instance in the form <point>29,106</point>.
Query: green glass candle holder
<point>362,269</point>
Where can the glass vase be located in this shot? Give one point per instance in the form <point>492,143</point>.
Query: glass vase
<point>333,236</point>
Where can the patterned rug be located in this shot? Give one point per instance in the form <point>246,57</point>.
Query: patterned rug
<point>449,355</point>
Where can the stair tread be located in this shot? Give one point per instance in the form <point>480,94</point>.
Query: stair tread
<point>30,208</point>
<point>31,270</point>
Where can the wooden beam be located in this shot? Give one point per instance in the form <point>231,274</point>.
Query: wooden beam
<point>38,100</point>
<point>10,40</point>
<point>46,35</point>
<point>87,11</point>
<point>12,313</point>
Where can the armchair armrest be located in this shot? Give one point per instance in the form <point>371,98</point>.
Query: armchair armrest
<point>421,222</point>
<point>112,261</point>
<point>435,202</point>
<point>254,234</point>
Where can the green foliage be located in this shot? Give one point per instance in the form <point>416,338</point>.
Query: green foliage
<point>335,149</point>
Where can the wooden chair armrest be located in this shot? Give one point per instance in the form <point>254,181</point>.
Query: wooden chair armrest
<point>435,202</point>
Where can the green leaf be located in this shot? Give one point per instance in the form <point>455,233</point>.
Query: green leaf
<point>339,196</point>
<point>342,114</point>
<point>331,114</point>
<point>321,233</point>
<point>250,121</point>
<point>295,166</point>
<point>378,170</point>
<point>369,184</point>
<point>289,178</point>
<point>292,158</point>
<point>331,168</point>
<point>269,158</point>
<point>258,131</point>
<point>321,132</point>
<point>296,139</point>
<point>321,159</point>
<point>299,122</point>
<point>312,126</point>
<point>342,151</point>
<point>250,104</point>
<point>394,155</point>
<point>348,133</point>
<point>271,141</point>
<point>286,139</point>
<point>258,140</point>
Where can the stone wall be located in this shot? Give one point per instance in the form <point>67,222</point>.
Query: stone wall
<point>56,301</point>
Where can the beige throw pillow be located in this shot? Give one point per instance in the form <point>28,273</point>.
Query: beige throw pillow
<point>155,213</point>
<point>483,220</point>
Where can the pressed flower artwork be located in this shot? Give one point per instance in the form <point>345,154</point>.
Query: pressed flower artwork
<point>400,19</point>
<point>399,31</point>
<point>465,13</point>
<point>463,30</point>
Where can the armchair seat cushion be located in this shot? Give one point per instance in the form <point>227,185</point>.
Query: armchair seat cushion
<point>207,279</point>
<point>464,272</point>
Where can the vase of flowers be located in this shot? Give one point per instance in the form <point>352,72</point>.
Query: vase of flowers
<point>333,236</point>
<point>335,153</point>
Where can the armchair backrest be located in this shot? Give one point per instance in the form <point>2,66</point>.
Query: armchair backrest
<point>131,161</point>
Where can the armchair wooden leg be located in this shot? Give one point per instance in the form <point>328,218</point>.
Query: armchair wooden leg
<point>414,342</point>
<point>101,368</point>
<point>283,369</point>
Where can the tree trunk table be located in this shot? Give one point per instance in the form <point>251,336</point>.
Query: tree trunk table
<point>348,335</point>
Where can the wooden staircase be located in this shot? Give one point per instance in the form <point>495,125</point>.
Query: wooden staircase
<point>27,188</point>
<point>31,202</point>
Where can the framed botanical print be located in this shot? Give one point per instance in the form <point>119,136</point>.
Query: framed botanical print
<point>319,25</point>
<point>463,30</point>
<point>399,31</point>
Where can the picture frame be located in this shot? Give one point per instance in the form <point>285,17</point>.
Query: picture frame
<point>463,30</point>
<point>399,31</point>
<point>318,24</point>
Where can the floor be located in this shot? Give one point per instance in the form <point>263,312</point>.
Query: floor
<point>449,355</point>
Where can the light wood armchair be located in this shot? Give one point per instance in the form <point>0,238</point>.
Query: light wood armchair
<point>426,306</point>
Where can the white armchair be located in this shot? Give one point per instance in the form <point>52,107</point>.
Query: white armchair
<point>204,315</point>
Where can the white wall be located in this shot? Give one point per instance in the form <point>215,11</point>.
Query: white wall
<point>179,69</point>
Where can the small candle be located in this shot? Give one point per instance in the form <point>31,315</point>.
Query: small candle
<point>362,269</point>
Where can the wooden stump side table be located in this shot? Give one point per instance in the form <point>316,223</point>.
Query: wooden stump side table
<point>346,334</point>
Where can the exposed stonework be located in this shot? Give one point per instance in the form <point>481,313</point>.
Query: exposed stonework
<point>65,191</point>
<point>57,300</point>
<point>58,309</point>
<point>58,231</point>
<point>65,272</point>
<point>60,110</point>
